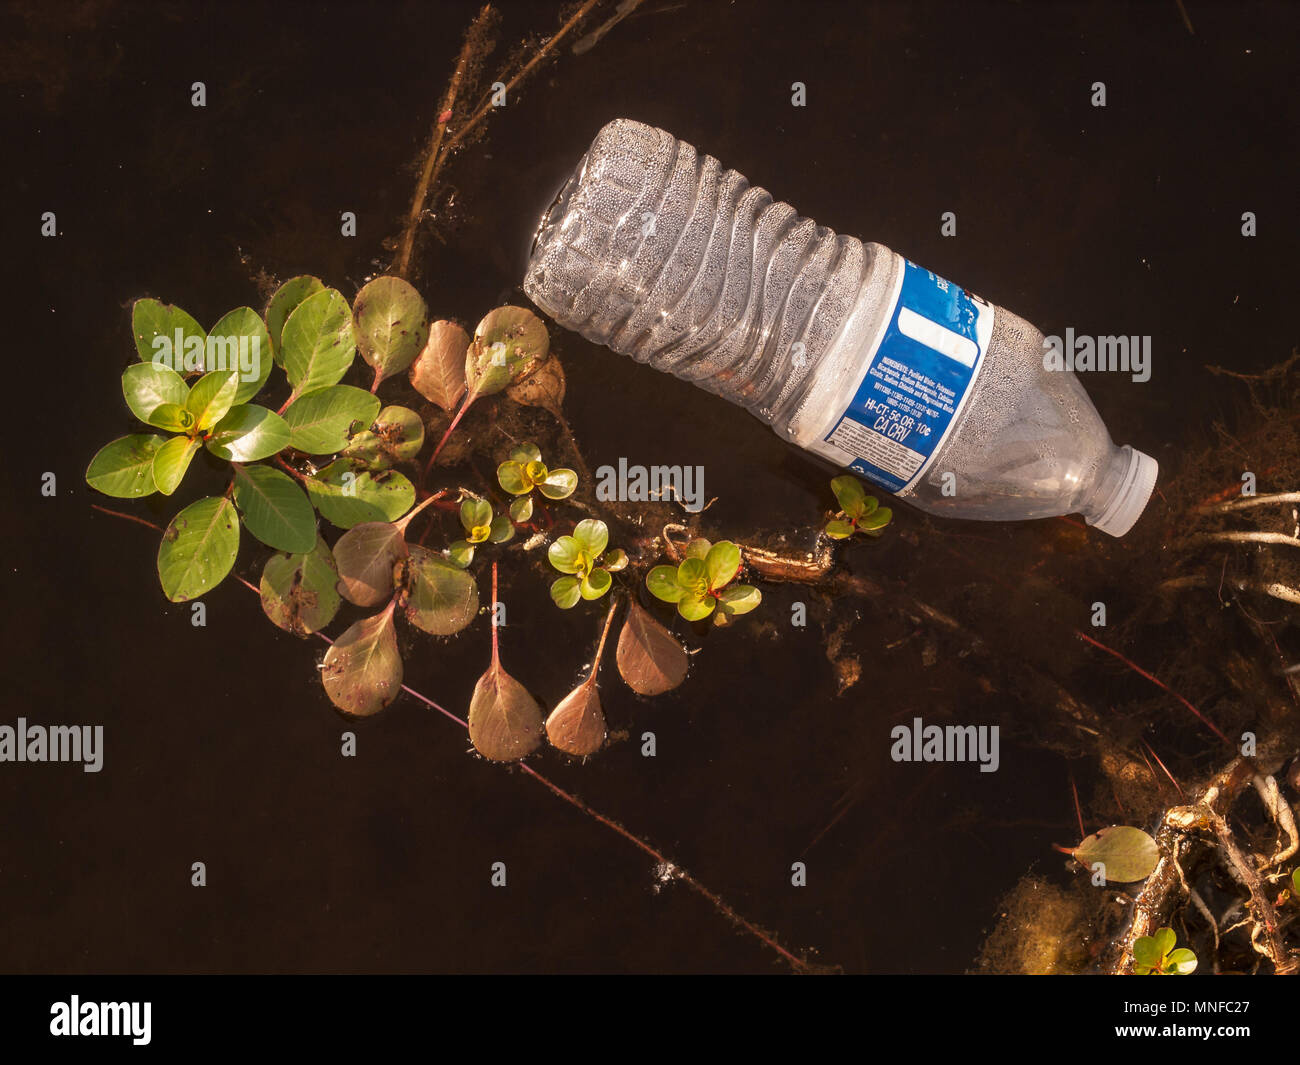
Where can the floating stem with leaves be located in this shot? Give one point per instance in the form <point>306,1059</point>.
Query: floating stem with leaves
<point>701,583</point>
<point>858,513</point>
<point>581,557</point>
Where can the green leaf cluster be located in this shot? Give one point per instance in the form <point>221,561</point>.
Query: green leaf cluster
<point>858,513</point>
<point>586,567</point>
<point>701,583</point>
<point>1156,955</point>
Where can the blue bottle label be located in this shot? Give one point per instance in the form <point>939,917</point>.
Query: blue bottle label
<point>916,381</point>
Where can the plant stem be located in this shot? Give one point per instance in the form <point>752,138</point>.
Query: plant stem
<point>496,648</point>
<point>1255,501</point>
<point>379,376</point>
<point>469,398</point>
<point>600,647</point>
<point>128,517</point>
<point>402,523</point>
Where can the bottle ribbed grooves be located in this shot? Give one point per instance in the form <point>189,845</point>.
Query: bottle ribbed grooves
<point>658,252</point>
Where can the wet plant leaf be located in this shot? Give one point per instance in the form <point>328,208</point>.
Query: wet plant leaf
<point>543,388</point>
<point>396,435</point>
<point>614,560</point>
<point>248,433</point>
<point>461,553</point>
<point>317,343</point>
<point>362,672</point>
<point>876,520</point>
<point>592,535</point>
<point>146,387</point>
<point>509,343</point>
<point>321,421</point>
<point>441,597</point>
<point>390,322</point>
<point>698,548</point>
<point>365,556</point>
<point>240,342</point>
<point>501,530</point>
<point>1180,962</point>
<point>695,607</point>
<point>171,417</point>
<point>521,510</point>
<point>739,599</point>
<point>1128,853</point>
<point>438,373</point>
<point>850,495</point>
<point>274,509</point>
<point>595,584</point>
<point>476,519</point>
<point>283,303</point>
<point>347,496</point>
<point>511,477</point>
<point>123,468</point>
<point>299,592</point>
<point>211,397</point>
<point>566,592</point>
<point>171,462</point>
<point>650,659</point>
<point>693,576</point>
<point>198,548</point>
<point>505,722</point>
<point>564,554</point>
<point>721,563</point>
<point>151,319</point>
<point>577,724</point>
<point>559,484</point>
<point>838,529</point>
<point>662,582</point>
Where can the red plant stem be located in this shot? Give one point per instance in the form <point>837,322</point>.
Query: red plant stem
<point>469,398</point>
<point>128,517</point>
<point>678,873</point>
<point>379,377</point>
<point>600,647</point>
<point>1157,682</point>
<point>285,405</point>
<point>1165,768</point>
<point>289,469</point>
<point>1083,832</point>
<point>496,651</point>
<point>403,522</point>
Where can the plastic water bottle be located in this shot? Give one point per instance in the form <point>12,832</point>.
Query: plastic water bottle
<point>844,348</point>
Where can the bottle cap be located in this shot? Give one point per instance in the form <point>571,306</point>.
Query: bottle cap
<point>1131,498</point>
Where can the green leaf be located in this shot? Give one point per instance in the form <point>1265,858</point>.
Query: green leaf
<point>521,509</point>
<point>615,560</point>
<point>299,592</point>
<point>152,320</point>
<point>839,530</point>
<point>693,576</point>
<point>592,535</point>
<point>362,671</point>
<point>1180,962</point>
<point>396,436</point>
<point>559,484</point>
<point>876,520</point>
<point>198,548</point>
<point>1127,853</point>
<point>850,494</point>
<point>739,599</point>
<point>475,514</point>
<point>662,582</point>
<point>346,496</point>
<point>505,722</point>
<point>501,529</point>
<point>722,563</point>
<point>1147,956</point>
<point>1165,939</point>
<point>441,597</point>
<point>317,342</point>
<point>146,387</point>
<point>526,453</point>
<point>286,299</point>
<point>390,321</point>
<point>695,607</point>
<point>461,553</point>
<point>650,659</point>
<point>240,343</point>
<point>564,554</point>
<point>698,548</point>
<point>172,418</point>
<point>171,462</point>
<point>511,477</point>
<point>275,509</point>
<point>1295,880</point>
<point>123,469</point>
<point>211,397</point>
<point>365,556</point>
<point>321,421</point>
<point>566,591</point>
<point>509,343</point>
<point>248,433</point>
<point>596,583</point>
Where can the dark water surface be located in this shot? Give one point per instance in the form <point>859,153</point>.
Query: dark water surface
<point>220,743</point>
